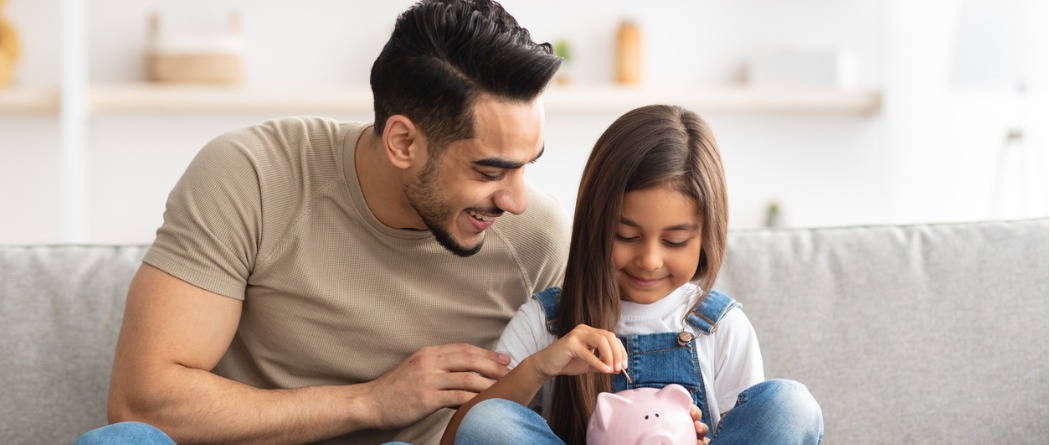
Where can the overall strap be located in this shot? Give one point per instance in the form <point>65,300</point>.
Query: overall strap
<point>710,311</point>
<point>549,298</point>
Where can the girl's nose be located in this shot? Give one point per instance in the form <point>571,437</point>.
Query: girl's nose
<point>649,257</point>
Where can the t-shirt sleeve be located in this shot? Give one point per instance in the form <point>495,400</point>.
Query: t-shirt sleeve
<point>526,333</point>
<point>212,220</point>
<point>738,360</point>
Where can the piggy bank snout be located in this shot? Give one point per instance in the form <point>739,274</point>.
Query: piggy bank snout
<point>660,438</point>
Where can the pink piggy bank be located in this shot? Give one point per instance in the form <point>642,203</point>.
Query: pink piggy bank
<point>640,416</point>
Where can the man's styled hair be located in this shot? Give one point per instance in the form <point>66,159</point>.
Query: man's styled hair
<point>652,146</point>
<point>443,54</point>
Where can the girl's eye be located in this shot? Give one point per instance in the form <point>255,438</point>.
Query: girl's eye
<point>626,239</point>
<point>676,245</point>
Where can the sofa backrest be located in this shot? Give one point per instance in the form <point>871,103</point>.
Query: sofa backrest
<point>905,334</point>
<point>60,312</point>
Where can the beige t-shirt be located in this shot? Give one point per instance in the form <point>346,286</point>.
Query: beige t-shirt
<point>274,215</point>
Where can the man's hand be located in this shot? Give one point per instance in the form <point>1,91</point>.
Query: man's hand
<point>434,377</point>
<point>701,428</point>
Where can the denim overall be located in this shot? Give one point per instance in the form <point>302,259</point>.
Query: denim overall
<point>657,360</point>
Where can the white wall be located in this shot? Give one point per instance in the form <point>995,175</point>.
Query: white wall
<point>947,112</point>
<point>930,154</point>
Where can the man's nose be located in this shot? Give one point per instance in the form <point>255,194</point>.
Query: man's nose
<point>511,198</point>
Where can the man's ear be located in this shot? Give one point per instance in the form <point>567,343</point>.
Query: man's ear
<point>403,143</point>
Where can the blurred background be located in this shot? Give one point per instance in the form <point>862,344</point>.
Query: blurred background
<point>828,112</point>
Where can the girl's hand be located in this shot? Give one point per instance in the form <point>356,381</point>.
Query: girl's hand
<point>701,428</point>
<point>584,349</point>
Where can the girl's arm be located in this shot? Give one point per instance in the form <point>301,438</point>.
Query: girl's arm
<point>584,349</point>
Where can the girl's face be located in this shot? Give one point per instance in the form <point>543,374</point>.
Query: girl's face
<point>657,244</point>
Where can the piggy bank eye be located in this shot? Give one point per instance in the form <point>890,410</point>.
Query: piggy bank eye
<point>646,417</point>
<point>657,414</point>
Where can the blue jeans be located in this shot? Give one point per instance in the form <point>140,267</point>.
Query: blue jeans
<point>135,433</point>
<point>779,412</point>
<point>125,433</point>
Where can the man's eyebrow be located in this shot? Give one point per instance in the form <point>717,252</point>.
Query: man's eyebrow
<point>505,164</point>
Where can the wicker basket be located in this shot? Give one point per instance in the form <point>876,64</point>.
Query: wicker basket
<point>183,67</point>
<point>213,60</point>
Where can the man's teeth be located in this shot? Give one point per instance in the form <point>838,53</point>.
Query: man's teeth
<point>477,215</point>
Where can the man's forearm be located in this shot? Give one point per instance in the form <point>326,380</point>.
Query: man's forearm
<point>196,406</point>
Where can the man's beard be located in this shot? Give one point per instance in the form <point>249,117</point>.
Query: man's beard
<point>424,196</point>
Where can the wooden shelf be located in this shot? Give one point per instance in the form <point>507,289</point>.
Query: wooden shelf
<point>617,99</point>
<point>714,99</point>
<point>139,97</point>
<point>192,98</point>
<point>38,100</point>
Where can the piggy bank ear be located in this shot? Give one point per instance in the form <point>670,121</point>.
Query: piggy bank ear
<point>608,405</point>
<point>675,394</point>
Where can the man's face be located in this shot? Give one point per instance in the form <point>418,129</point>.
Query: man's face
<point>460,193</point>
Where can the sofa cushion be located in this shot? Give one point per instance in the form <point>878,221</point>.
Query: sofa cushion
<point>60,313</point>
<point>914,334</point>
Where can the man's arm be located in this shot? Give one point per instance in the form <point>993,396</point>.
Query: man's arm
<point>174,333</point>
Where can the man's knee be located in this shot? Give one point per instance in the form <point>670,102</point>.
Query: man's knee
<point>125,433</point>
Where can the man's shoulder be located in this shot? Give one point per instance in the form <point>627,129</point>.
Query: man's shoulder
<point>288,127</point>
<point>544,217</point>
<point>315,124</point>
<point>543,207</point>
<point>285,146</point>
<point>538,238</point>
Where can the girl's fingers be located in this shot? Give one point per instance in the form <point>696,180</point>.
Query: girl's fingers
<point>605,352</point>
<point>595,362</point>
<point>616,358</point>
<point>600,349</point>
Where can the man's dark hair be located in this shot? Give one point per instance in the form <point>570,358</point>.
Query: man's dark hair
<point>443,54</point>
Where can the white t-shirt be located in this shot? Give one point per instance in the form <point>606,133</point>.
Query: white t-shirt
<point>730,360</point>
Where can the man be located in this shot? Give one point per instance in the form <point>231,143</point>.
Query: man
<point>319,280</point>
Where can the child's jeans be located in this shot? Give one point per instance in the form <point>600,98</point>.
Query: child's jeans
<point>125,433</point>
<point>772,412</point>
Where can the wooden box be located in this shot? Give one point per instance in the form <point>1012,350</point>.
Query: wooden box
<point>215,59</point>
<point>201,67</point>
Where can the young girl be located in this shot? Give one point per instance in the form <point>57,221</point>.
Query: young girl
<point>636,308</point>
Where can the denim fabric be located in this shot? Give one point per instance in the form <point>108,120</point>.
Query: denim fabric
<point>657,360</point>
<point>710,311</point>
<point>550,299</point>
<point>500,421</point>
<point>770,412</point>
<point>125,433</point>
<point>774,412</point>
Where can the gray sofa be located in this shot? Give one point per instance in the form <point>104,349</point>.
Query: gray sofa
<point>905,334</point>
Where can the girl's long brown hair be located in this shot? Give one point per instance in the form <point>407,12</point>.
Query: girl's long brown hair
<point>657,145</point>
